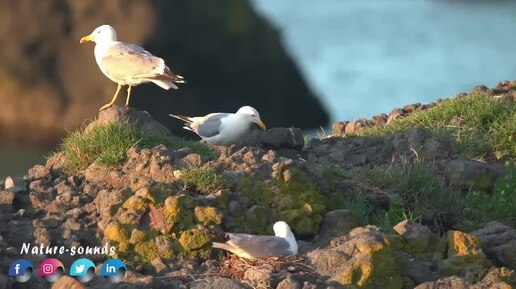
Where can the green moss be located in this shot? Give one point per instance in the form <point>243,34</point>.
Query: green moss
<point>296,201</point>
<point>208,215</point>
<point>202,179</point>
<point>194,239</point>
<point>116,233</point>
<point>146,250</point>
<point>135,203</point>
<point>376,268</point>
<point>177,212</point>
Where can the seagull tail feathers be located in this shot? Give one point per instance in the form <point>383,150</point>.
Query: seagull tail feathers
<point>173,76</point>
<point>184,118</point>
<point>222,246</point>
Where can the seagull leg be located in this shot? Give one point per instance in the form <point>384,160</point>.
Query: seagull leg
<point>113,100</point>
<point>128,95</point>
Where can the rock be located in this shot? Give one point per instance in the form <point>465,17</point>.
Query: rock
<point>363,258</point>
<point>38,172</point>
<point>67,102</point>
<point>259,217</point>
<point>380,120</point>
<point>455,282</point>
<point>395,113</point>
<point>500,275</point>
<point>337,222</point>
<point>499,243</point>
<point>66,282</point>
<point>15,184</point>
<point>420,240</point>
<point>141,120</point>
<point>415,269</point>
<point>429,146</point>
<point>470,174</point>
<point>259,276</point>
<point>159,266</point>
<point>288,283</point>
<point>216,283</point>
<point>339,128</point>
<point>446,283</point>
<point>465,257</point>
<point>275,138</point>
<point>6,198</point>
<point>5,283</point>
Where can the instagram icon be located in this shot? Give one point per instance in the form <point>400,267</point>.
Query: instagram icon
<point>51,269</point>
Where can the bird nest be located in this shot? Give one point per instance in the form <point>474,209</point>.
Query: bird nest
<point>235,268</point>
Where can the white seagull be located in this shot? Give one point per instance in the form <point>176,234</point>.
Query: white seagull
<point>256,246</point>
<point>223,128</point>
<point>128,64</point>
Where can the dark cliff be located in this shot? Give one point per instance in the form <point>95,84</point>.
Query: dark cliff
<point>229,55</point>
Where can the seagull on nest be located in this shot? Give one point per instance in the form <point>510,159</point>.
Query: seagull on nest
<point>256,246</point>
<point>128,64</point>
<point>223,128</point>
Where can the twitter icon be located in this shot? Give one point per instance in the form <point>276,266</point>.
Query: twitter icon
<point>83,269</point>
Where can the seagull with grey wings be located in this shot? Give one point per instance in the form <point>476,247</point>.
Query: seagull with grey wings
<point>261,246</point>
<point>128,64</point>
<point>223,128</point>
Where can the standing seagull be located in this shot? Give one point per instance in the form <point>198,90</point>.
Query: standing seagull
<point>255,246</point>
<point>128,64</point>
<point>223,128</point>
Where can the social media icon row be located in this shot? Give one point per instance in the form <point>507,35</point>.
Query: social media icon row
<point>83,269</point>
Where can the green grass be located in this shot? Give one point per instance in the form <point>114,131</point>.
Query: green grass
<point>202,180</point>
<point>419,190</point>
<point>481,125</point>
<point>481,207</point>
<point>108,145</point>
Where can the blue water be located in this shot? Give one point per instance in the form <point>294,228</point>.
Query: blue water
<point>364,57</point>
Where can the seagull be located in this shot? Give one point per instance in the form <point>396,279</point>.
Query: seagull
<point>254,246</point>
<point>223,128</point>
<point>128,64</point>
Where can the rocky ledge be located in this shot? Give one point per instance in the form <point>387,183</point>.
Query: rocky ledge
<point>359,223</point>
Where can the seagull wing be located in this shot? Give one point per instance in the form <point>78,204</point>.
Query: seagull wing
<point>210,125</point>
<point>260,246</point>
<point>129,61</point>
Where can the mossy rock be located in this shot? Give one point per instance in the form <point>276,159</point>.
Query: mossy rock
<point>177,211</point>
<point>296,201</point>
<point>116,233</point>
<point>465,257</point>
<point>146,250</point>
<point>374,266</point>
<point>194,239</point>
<point>208,215</point>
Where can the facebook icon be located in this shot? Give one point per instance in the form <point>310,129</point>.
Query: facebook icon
<point>21,270</point>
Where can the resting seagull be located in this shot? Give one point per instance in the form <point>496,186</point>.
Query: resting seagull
<point>128,64</point>
<point>223,128</point>
<point>255,246</point>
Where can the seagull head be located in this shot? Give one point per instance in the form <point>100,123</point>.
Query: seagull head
<point>252,115</point>
<point>282,230</point>
<point>104,33</point>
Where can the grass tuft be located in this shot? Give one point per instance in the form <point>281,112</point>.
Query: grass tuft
<point>202,179</point>
<point>108,145</point>
<point>481,125</point>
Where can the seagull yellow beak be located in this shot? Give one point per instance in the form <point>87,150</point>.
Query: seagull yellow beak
<point>261,124</point>
<point>85,39</point>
